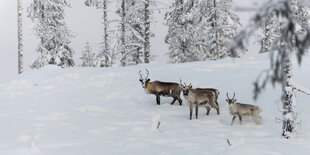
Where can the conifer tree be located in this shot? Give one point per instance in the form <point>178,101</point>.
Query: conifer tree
<point>52,32</point>
<point>181,30</point>
<point>222,25</point>
<point>87,57</point>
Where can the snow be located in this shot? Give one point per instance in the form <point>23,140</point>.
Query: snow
<point>105,111</point>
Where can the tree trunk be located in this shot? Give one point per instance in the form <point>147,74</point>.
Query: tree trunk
<point>20,36</point>
<point>105,29</point>
<point>288,99</point>
<point>123,33</point>
<point>216,31</point>
<point>147,32</point>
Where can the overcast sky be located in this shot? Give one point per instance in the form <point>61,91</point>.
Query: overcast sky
<point>85,21</point>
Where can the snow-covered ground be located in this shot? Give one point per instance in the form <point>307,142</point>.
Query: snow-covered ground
<point>95,111</point>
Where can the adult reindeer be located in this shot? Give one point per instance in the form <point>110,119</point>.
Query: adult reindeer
<point>158,88</point>
<point>199,98</point>
<point>243,110</point>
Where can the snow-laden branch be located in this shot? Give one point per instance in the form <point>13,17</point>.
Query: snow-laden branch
<point>300,88</point>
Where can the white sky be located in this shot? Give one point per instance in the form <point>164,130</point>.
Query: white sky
<point>85,21</point>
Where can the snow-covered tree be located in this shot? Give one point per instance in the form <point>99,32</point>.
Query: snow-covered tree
<point>122,13</point>
<point>291,41</point>
<point>200,29</point>
<point>134,36</point>
<point>87,57</point>
<point>147,31</point>
<point>271,31</point>
<point>134,31</point>
<point>181,22</point>
<point>20,36</point>
<point>104,56</point>
<point>222,24</point>
<point>52,32</point>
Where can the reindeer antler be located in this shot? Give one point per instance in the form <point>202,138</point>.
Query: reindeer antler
<point>141,77</point>
<point>148,73</point>
<point>231,98</point>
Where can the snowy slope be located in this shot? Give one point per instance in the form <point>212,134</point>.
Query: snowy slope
<point>95,111</point>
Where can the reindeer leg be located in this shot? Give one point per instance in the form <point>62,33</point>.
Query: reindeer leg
<point>190,112</point>
<point>196,111</point>
<point>217,109</point>
<point>208,110</point>
<point>240,119</point>
<point>174,99</point>
<point>233,119</point>
<point>257,119</point>
<point>158,99</point>
<point>179,99</point>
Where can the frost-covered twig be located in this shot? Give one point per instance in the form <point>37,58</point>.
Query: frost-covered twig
<point>300,88</point>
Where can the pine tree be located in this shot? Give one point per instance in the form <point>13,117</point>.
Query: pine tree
<point>20,36</point>
<point>87,57</point>
<point>134,36</point>
<point>200,29</point>
<point>291,41</point>
<point>222,25</point>
<point>271,31</point>
<point>53,33</point>
<point>181,22</point>
<point>104,57</point>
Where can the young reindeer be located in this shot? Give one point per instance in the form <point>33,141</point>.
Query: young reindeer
<point>158,88</point>
<point>243,110</point>
<point>199,98</point>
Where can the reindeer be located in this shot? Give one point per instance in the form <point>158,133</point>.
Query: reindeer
<point>199,97</point>
<point>217,93</point>
<point>243,110</point>
<point>158,88</point>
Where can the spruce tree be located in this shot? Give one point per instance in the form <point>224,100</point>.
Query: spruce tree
<point>181,38</point>
<point>222,24</point>
<point>52,32</point>
<point>87,57</point>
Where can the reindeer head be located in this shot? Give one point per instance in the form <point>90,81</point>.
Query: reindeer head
<point>186,88</point>
<point>231,100</point>
<point>144,81</point>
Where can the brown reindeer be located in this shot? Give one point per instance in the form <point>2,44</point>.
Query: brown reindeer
<point>243,110</point>
<point>199,98</point>
<point>158,88</point>
<point>216,92</point>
